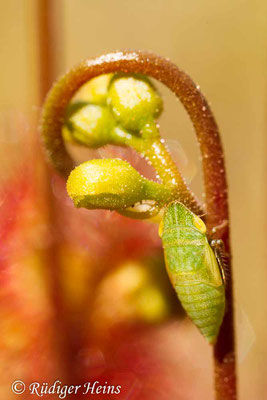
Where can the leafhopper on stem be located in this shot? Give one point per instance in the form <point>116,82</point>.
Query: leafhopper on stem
<point>193,268</point>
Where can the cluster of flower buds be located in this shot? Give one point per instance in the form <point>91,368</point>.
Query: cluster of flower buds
<point>111,107</point>
<point>115,109</point>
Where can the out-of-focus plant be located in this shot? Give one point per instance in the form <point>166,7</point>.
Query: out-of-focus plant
<point>122,109</point>
<point>55,317</point>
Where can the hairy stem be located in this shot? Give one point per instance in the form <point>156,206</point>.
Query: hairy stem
<point>161,160</point>
<point>157,154</point>
<point>212,163</point>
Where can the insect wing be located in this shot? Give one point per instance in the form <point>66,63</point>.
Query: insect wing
<point>187,167</point>
<point>213,267</point>
<point>218,249</point>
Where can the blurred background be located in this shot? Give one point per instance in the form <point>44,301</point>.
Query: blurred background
<point>76,286</point>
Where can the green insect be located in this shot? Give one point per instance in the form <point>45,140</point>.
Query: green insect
<point>195,272</point>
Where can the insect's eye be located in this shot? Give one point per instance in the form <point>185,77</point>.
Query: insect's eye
<point>199,224</point>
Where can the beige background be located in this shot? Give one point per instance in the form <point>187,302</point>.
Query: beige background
<point>222,45</point>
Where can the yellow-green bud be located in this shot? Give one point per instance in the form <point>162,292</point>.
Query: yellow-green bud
<point>105,183</point>
<point>134,101</point>
<point>111,184</point>
<point>92,125</point>
<point>95,91</point>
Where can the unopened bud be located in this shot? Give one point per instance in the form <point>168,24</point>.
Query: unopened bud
<point>105,183</point>
<point>91,125</point>
<point>134,101</point>
<point>95,91</point>
<point>111,184</point>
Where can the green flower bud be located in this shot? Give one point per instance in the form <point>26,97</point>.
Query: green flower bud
<point>134,101</point>
<point>95,91</point>
<point>91,125</point>
<point>111,184</point>
<point>72,108</point>
<point>105,183</point>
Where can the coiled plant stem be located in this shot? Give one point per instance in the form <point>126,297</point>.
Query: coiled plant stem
<point>215,184</point>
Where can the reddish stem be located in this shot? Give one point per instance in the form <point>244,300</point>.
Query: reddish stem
<point>212,161</point>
